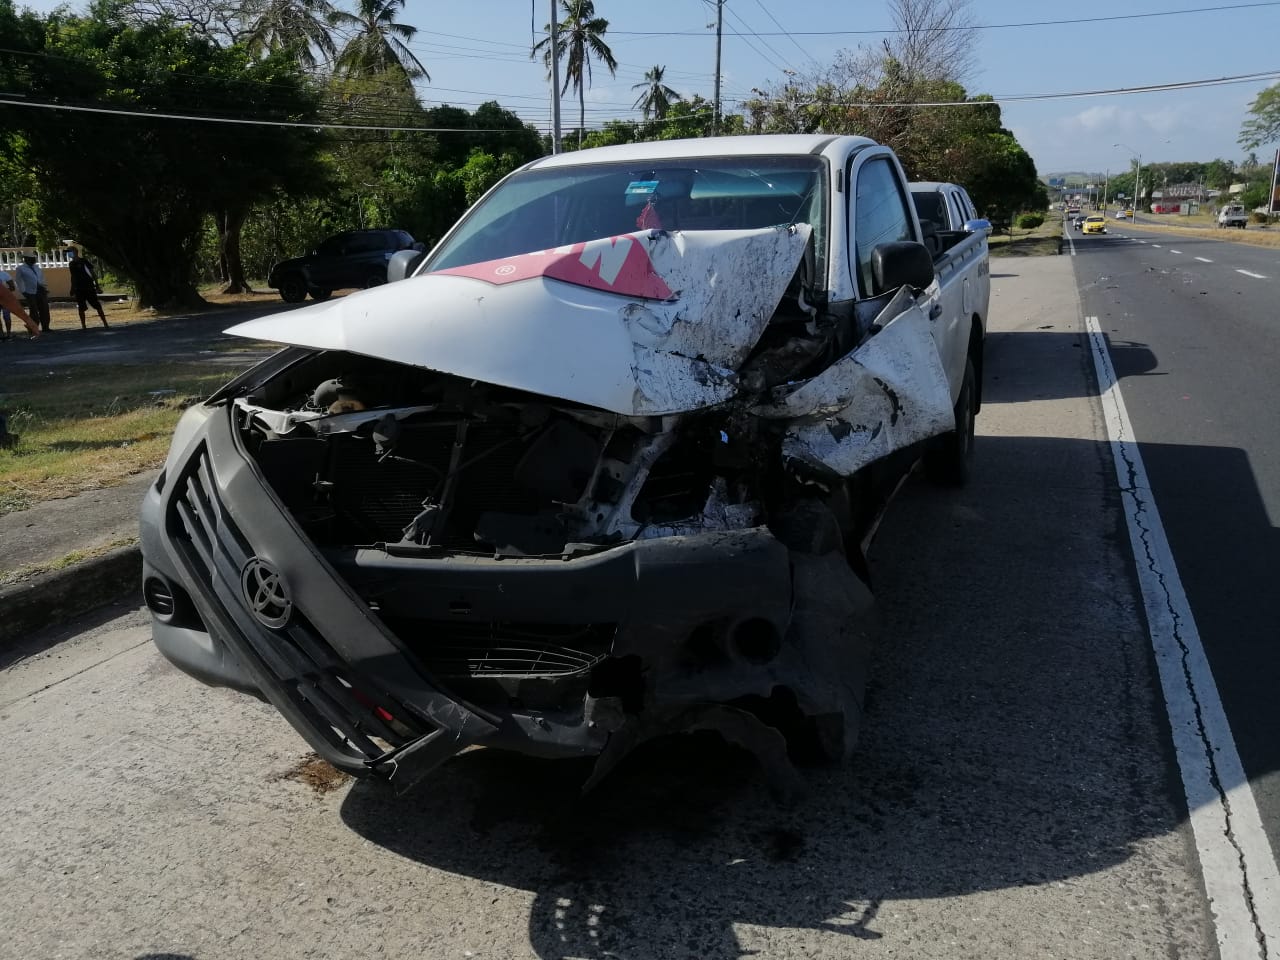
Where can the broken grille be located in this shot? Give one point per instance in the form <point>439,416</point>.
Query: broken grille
<point>320,684</point>
<point>454,650</point>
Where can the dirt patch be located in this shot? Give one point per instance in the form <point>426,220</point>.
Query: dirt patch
<point>316,773</point>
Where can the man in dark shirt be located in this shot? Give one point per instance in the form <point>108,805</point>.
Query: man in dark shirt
<point>84,286</point>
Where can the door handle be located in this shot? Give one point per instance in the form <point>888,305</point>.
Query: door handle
<point>935,311</point>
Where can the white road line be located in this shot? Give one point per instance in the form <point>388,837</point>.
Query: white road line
<point>1204,259</point>
<point>1176,251</point>
<point>1155,244</point>
<point>1250,273</point>
<point>1067,234</point>
<point>1240,873</point>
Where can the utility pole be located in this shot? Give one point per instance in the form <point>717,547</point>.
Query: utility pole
<point>555,80</point>
<point>1106,182</point>
<point>715,116</point>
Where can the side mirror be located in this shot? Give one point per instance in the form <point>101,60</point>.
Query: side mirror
<point>401,264</point>
<point>903,262</point>
<point>978,224</point>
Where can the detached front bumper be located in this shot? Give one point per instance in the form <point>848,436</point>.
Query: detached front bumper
<point>342,644</point>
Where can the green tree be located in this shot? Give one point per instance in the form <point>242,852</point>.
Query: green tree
<point>581,37</point>
<point>378,44</point>
<point>1001,178</point>
<point>136,189</point>
<point>655,97</point>
<point>1262,126</point>
<point>301,26</point>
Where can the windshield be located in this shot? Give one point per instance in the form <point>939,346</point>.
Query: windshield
<point>542,209</point>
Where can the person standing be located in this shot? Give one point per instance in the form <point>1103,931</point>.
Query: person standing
<point>34,290</point>
<point>10,303</point>
<point>84,286</point>
<point>6,281</point>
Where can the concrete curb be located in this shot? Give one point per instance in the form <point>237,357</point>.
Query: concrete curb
<point>51,599</point>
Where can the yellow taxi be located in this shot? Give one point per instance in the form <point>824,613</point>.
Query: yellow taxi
<point>1095,225</point>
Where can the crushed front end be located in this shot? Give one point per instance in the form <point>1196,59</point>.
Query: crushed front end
<point>455,564</point>
<point>406,562</point>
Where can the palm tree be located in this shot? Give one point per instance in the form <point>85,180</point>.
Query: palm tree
<point>377,44</point>
<point>298,24</point>
<point>656,97</point>
<point>581,36</point>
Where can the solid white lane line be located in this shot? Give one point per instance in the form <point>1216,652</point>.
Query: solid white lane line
<point>1250,273</point>
<point>1240,873</point>
<point>1204,259</point>
<point>1067,234</point>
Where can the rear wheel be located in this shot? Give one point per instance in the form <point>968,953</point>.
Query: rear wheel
<point>951,457</point>
<point>293,289</point>
<point>320,294</point>
<point>375,280</point>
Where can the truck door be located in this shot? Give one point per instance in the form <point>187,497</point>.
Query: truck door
<point>881,214</point>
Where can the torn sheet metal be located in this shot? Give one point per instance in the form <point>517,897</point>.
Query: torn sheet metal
<point>889,393</point>
<point>584,323</point>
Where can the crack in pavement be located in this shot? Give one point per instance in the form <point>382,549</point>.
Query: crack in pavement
<point>1197,736</point>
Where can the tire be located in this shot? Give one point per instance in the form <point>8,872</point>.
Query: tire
<point>293,289</point>
<point>319,294</point>
<point>949,460</point>
<point>375,280</point>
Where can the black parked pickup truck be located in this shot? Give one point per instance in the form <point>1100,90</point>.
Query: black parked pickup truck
<point>355,259</point>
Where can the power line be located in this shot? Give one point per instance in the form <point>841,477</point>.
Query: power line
<point>803,52</point>
<point>979,26</point>
<point>1025,97</point>
<point>389,128</point>
<point>314,125</point>
<point>745,37</point>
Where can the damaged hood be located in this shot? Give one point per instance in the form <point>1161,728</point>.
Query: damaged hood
<point>641,324</point>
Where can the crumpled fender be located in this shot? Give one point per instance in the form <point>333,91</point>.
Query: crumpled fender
<point>890,392</point>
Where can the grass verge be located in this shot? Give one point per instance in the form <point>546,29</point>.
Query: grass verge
<point>84,427</point>
<point>1254,234</point>
<point>1041,241</point>
<point>30,570</point>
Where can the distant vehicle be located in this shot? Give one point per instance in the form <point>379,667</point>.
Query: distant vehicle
<point>1122,214</point>
<point>1095,224</point>
<point>1078,221</point>
<point>1233,215</point>
<point>357,258</point>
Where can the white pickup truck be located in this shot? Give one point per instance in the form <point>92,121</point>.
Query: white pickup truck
<point>946,212</point>
<point>1233,215</point>
<point>601,466</point>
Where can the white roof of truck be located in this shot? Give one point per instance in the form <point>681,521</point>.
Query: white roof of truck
<point>785,144</point>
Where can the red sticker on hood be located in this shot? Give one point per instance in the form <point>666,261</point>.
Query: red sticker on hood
<point>618,265</point>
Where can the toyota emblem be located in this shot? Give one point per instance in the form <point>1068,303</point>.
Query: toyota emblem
<point>266,593</point>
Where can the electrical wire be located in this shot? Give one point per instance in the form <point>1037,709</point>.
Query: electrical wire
<point>307,125</point>
<point>795,43</point>
<point>1073,95</point>
<point>406,128</point>
<point>977,26</point>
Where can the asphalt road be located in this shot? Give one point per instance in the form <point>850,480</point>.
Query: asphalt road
<point>1013,796</point>
<point>198,337</point>
<point>1195,338</point>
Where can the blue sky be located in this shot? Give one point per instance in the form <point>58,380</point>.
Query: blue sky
<point>478,51</point>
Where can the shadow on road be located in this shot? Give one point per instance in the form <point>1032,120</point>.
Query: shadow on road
<point>1041,357</point>
<point>1014,736</point>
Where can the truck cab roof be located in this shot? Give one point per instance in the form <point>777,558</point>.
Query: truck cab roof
<point>787,144</point>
